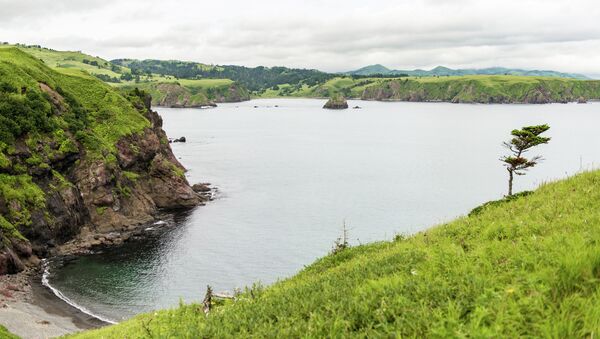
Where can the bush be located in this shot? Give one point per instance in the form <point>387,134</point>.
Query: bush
<point>477,210</point>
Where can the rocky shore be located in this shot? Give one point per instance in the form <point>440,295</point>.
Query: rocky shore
<point>31,311</point>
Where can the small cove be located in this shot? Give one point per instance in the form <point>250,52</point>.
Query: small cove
<point>290,174</point>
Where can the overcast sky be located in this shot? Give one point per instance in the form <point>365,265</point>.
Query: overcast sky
<point>562,35</point>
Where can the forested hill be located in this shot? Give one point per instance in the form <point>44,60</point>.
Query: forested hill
<point>255,79</point>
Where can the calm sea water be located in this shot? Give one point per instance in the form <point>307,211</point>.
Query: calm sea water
<point>290,176</point>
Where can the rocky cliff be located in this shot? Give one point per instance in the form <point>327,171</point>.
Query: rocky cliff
<point>177,95</point>
<point>484,89</point>
<point>76,157</point>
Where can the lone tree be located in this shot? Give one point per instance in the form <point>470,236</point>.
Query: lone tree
<point>523,140</point>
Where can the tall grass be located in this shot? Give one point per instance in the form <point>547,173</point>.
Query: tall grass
<point>526,268</point>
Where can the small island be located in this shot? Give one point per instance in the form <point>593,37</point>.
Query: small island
<point>336,101</point>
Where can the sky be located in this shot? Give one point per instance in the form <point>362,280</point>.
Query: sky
<point>562,35</point>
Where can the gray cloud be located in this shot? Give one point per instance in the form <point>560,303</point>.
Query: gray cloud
<point>329,35</point>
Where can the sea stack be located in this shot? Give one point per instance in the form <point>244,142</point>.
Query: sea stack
<point>337,101</point>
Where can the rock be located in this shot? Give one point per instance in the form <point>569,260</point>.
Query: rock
<point>10,263</point>
<point>336,102</point>
<point>357,107</point>
<point>201,188</point>
<point>582,100</point>
<point>182,139</point>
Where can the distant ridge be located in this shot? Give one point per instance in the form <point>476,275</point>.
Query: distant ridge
<point>445,71</point>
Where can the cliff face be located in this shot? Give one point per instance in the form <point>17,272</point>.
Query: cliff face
<point>176,95</point>
<point>80,158</point>
<point>485,90</point>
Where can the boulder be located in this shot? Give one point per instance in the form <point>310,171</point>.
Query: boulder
<point>201,188</point>
<point>582,100</point>
<point>336,102</point>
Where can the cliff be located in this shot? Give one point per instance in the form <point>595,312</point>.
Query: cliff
<point>484,89</point>
<point>193,93</point>
<point>76,157</point>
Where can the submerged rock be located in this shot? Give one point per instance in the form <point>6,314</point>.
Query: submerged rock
<point>336,102</point>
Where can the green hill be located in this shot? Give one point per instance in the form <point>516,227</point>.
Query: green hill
<point>75,152</point>
<point>457,89</point>
<point>166,90</point>
<point>526,268</point>
<point>256,79</point>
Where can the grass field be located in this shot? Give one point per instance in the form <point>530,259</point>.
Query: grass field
<point>526,268</point>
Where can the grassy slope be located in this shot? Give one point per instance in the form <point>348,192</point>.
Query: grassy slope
<point>475,88</point>
<point>108,117</point>
<point>200,92</point>
<point>5,334</point>
<point>530,267</point>
<point>71,59</point>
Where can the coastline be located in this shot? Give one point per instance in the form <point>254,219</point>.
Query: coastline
<point>30,310</point>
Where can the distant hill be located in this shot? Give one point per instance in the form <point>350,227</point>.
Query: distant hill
<point>445,71</point>
<point>256,79</point>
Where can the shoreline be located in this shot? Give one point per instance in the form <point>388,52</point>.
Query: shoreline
<point>30,310</point>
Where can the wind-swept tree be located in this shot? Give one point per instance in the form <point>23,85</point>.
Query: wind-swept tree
<point>523,140</point>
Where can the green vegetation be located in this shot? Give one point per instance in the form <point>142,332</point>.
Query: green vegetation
<point>164,88</point>
<point>528,267</point>
<point>457,89</point>
<point>484,89</point>
<point>45,116</point>
<point>380,70</point>
<point>523,141</point>
<point>191,84</point>
<point>5,334</point>
<point>255,79</point>
<point>190,93</point>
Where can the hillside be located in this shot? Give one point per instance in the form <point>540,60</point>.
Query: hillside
<point>372,70</point>
<point>256,79</point>
<point>525,268</point>
<point>76,156</point>
<point>166,90</point>
<point>191,93</point>
<point>463,89</point>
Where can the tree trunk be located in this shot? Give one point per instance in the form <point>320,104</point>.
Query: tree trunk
<point>510,182</point>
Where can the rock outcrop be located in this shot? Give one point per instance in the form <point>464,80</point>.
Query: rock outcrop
<point>110,175</point>
<point>336,102</point>
<point>484,90</point>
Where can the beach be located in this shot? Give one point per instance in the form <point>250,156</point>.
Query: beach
<point>32,311</point>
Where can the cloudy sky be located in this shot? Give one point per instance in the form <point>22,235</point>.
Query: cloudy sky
<point>563,35</point>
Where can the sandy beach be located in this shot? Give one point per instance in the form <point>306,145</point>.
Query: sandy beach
<point>32,311</point>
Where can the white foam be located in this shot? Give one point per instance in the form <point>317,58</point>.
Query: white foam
<point>61,296</point>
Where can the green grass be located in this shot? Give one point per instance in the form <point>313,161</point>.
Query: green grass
<point>197,92</point>
<point>467,89</point>
<point>52,113</point>
<point>5,334</point>
<point>524,268</point>
<point>71,60</point>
